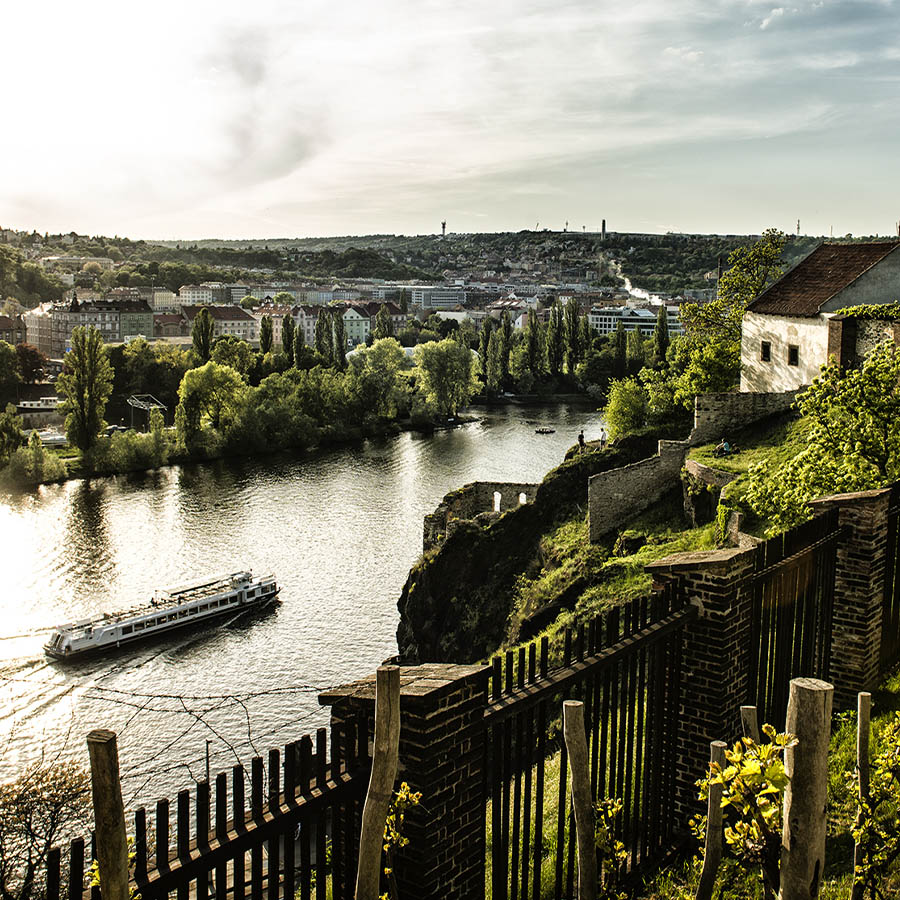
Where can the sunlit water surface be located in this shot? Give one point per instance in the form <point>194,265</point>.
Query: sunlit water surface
<point>339,529</point>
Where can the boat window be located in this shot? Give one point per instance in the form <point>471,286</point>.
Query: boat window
<point>138,626</point>
<point>203,607</point>
<point>126,629</point>
<point>173,616</point>
<point>251,593</point>
<point>182,613</point>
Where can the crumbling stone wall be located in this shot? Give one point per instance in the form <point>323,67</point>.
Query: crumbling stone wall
<point>620,494</point>
<point>471,501</point>
<point>715,415</point>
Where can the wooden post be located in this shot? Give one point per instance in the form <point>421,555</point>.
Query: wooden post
<point>864,708</point>
<point>385,759</point>
<point>750,723</point>
<point>582,801</point>
<point>109,815</point>
<point>806,765</point>
<point>712,852</point>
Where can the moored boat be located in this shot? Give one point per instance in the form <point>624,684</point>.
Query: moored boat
<point>192,604</point>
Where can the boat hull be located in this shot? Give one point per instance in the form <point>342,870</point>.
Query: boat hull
<point>177,626</point>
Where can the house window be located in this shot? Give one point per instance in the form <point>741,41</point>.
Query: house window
<point>765,351</point>
<point>793,355</point>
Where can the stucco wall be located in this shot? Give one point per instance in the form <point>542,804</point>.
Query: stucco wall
<point>880,284</point>
<point>718,415</point>
<point>810,335</point>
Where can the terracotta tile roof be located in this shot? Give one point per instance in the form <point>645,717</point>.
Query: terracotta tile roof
<point>222,313</point>
<point>805,289</point>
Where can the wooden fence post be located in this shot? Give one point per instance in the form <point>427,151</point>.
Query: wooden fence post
<point>864,708</point>
<point>109,815</point>
<point>385,759</point>
<point>750,723</point>
<point>712,852</point>
<point>806,765</point>
<point>582,801</point>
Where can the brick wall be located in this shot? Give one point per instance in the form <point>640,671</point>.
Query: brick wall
<point>441,755</point>
<point>858,592</point>
<point>715,657</point>
<point>617,495</point>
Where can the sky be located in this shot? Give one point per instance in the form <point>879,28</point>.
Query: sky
<point>196,119</point>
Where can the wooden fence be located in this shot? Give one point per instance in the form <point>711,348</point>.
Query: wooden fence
<point>625,667</point>
<point>890,618</point>
<point>793,600</point>
<point>298,837</point>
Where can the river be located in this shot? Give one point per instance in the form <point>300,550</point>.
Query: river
<point>340,530</point>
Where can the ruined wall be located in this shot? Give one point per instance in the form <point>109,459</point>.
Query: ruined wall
<point>469,501</point>
<point>715,415</point>
<point>620,494</point>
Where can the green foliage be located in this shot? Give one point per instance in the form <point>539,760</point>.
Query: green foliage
<point>232,351</point>
<point>556,339</point>
<point>9,371</point>
<point>202,334</point>
<point>853,442</point>
<point>877,311</point>
<point>875,831</point>
<point>33,465</point>
<point>31,363</point>
<point>376,379</point>
<point>661,336</point>
<point>265,335</point>
<point>324,336</point>
<point>339,342</point>
<point>626,407</point>
<point>611,853</point>
<point>573,334</point>
<point>287,335</point>
<point>11,436</point>
<point>403,800</point>
<point>86,384</point>
<point>384,325</point>
<point>634,351</point>
<point>620,348</point>
<point>493,367</point>
<point>753,784</point>
<point>446,376</point>
<point>209,395</point>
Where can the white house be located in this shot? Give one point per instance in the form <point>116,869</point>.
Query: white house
<point>785,330</point>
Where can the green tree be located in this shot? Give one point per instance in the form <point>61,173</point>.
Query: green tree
<point>484,340</point>
<point>574,348</point>
<point>447,378</point>
<point>86,385</point>
<point>634,351</point>
<point>376,371</point>
<point>324,336</point>
<point>31,363</point>
<point>202,334</point>
<point>384,326</point>
<point>534,343</point>
<point>209,395</point>
<point>265,335</point>
<point>493,370</point>
<point>661,336</point>
<point>626,408</point>
<point>556,339</point>
<point>620,346</point>
<point>249,302</point>
<point>283,298</point>
<point>11,436</point>
<point>287,336</point>
<point>340,341</point>
<point>9,371</point>
<point>853,443</point>
<point>404,301</point>
<point>229,350</point>
<point>506,335</point>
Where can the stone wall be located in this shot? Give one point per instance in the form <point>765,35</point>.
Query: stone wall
<point>619,494</point>
<point>716,415</point>
<point>851,340</point>
<point>469,501</point>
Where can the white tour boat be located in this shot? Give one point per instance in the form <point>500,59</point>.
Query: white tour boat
<point>169,609</point>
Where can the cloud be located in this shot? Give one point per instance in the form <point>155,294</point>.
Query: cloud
<point>776,13</point>
<point>323,117</point>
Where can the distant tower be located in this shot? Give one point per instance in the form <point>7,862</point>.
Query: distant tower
<point>444,228</point>
<point>603,230</point>
<point>898,229</point>
<point>567,225</point>
<point>798,228</point>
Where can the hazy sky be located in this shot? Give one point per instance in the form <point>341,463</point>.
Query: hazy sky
<point>314,117</point>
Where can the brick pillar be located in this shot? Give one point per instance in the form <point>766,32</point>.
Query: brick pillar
<point>441,755</point>
<point>715,661</point>
<point>858,592</point>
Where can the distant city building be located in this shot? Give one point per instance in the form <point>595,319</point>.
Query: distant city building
<point>12,330</point>
<point>227,319</point>
<point>605,320</point>
<point>437,297</point>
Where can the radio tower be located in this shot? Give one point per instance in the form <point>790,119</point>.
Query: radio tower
<point>444,228</point>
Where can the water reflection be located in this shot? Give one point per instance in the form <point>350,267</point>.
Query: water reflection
<point>340,528</point>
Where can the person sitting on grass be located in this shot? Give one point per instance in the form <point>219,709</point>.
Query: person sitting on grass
<point>723,448</point>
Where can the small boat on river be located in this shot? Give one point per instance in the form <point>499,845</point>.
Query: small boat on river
<point>545,429</point>
<point>193,604</point>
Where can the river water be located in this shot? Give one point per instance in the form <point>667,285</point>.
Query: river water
<point>340,530</point>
